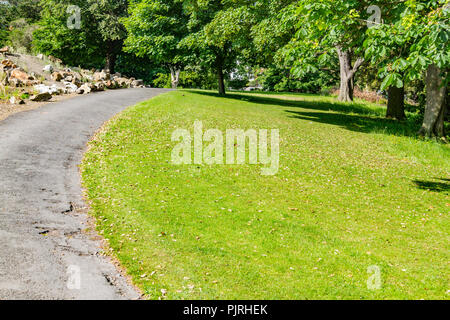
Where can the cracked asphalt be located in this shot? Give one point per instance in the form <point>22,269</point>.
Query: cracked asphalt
<point>45,251</point>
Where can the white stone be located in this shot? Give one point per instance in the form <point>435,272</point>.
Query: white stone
<point>42,88</point>
<point>70,87</point>
<point>48,68</point>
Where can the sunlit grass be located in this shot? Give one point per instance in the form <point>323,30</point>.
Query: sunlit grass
<point>353,190</point>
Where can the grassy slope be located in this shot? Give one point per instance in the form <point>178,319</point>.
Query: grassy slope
<point>227,232</point>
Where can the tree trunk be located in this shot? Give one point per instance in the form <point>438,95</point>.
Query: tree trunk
<point>220,77</point>
<point>439,126</point>
<point>112,47</point>
<point>346,87</point>
<point>396,103</point>
<point>433,120</point>
<point>347,74</point>
<point>174,76</point>
<point>110,64</point>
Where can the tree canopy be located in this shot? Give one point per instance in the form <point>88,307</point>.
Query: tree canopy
<point>394,48</point>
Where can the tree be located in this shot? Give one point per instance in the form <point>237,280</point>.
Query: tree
<point>347,72</point>
<point>107,16</point>
<point>287,67</point>
<point>219,34</point>
<point>326,28</point>
<point>431,51</point>
<point>413,43</point>
<point>276,24</point>
<point>21,13</point>
<point>75,46</point>
<point>384,45</point>
<point>96,41</point>
<point>396,103</point>
<point>433,121</point>
<point>155,28</point>
<point>24,9</point>
<point>6,16</point>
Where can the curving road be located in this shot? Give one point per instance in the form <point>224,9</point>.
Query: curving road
<point>45,251</point>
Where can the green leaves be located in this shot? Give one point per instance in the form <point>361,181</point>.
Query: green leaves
<point>101,31</point>
<point>393,79</point>
<point>415,34</point>
<point>155,29</point>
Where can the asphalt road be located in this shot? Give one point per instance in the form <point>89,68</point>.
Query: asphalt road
<point>45,251</point>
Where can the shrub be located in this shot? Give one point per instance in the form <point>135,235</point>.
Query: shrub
<point>281,80</point>
<point>162,81</point>
<point>237,84</point>
<point>21,35</point>
<point>188,79</point>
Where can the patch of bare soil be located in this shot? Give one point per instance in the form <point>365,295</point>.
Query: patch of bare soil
<point>32,64</point>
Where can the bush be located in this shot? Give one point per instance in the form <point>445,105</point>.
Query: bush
<point>237,84</point>
<point>21,35</point>
<point>162,81</point>
<point>140,68</point>
<point>270,78</point>
<point>3,36</point>
<point>188,79</point>
<point>281,80</point>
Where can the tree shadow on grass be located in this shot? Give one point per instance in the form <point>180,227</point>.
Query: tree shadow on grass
<point>442,186</point>
<point>351,116</point>
<point>336,106</point>
<point>361,123</point>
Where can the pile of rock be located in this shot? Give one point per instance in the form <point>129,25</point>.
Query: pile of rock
<point>53,89</point>
<point>5,50</point>
<point>117,81</point>
<point>7,64</point>
<point>91,87</point>
<point>65,81</point>
<point>87,82</point>
<point>68,77</point>
<point>15,76</point>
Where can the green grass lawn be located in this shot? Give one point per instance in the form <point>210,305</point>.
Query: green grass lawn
<point>353,190</point>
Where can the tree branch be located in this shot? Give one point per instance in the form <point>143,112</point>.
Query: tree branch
<point>359,62</point>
